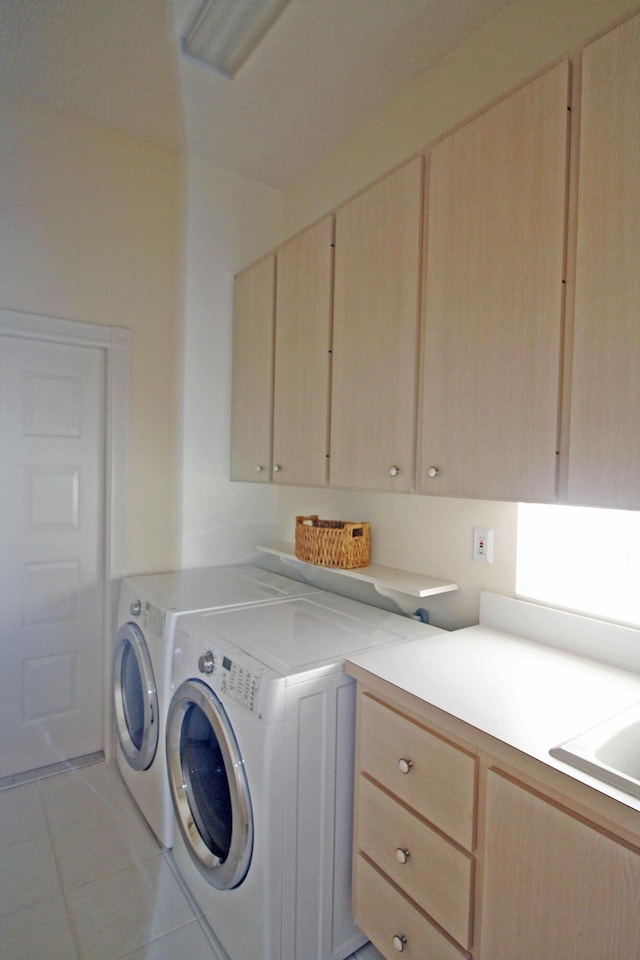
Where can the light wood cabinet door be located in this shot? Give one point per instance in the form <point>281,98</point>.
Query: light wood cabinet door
<point>604,428</point>
<point>302,357</point>
<point>252,377</point>
<point>554,886</point>
<point>494,299</point>
<point>375,343</point>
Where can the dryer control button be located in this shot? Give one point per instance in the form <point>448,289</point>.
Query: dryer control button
<point>136,608</point>
<point>207,662</point>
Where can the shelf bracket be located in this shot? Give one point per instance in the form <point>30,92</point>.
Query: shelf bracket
<point>298,565</point>
<point>403,601</point>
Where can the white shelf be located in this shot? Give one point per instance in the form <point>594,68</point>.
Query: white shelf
<point>397,585</point>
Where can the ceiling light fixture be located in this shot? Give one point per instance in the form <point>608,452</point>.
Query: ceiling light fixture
<point>225,32</point>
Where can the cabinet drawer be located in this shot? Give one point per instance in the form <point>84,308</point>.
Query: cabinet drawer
<point>383,913</point>
<point>440,782</point>
<point>436,874</point>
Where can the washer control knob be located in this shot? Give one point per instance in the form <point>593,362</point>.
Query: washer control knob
<point>136,608</point>
<point>399,942</point>
<point>433,472</point>
<point>405,765</point>
<point>206,662</point>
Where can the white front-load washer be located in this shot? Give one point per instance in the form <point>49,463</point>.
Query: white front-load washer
<point>260,748</point>
<point>148,609</point>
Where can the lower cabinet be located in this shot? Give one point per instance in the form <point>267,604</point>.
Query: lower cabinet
<point>542,881</point>
<point>427,866</point>
<point>555,886</point>
<point>414,883</point>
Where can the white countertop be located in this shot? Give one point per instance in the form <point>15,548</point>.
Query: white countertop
<point>520,691</point>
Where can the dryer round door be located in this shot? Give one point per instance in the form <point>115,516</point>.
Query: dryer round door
<point>208,784</point>
<point>135,698</point>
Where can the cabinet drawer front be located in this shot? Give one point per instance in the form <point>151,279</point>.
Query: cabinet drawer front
<point>440,783</point>
<point>383,914</point>
<point>435,874</point>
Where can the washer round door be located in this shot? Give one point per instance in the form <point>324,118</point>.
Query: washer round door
<point>135,698</point>
<point>209,786</point>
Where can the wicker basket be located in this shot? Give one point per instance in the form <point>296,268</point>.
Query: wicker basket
<point>333,543</point>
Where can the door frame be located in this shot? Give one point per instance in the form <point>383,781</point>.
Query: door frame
<point>116,344</point>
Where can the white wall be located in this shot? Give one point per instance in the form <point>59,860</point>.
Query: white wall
<point>90,228</point>
<point>105,228</point>
<point>526,37</point>
<point>423,534</point>
<point>230,222</point>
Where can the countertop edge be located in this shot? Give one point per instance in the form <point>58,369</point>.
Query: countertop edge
<point>610,808</point>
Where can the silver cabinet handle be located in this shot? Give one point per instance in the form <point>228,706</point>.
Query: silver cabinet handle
<point>259,468</point>
<point>402,855</point>
<point>277,468</point>
<point>433,472</point>
<point>394,471</point>
<point>405,765</point>
<point>399,942</point>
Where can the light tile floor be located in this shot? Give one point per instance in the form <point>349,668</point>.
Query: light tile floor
<point>82,877</point>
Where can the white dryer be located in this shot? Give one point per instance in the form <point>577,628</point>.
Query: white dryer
<point>260,746</point>
<point>148,609</point>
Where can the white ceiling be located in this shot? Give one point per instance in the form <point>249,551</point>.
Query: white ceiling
<point>325,67</point>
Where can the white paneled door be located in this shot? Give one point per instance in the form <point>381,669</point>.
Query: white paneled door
<point>52,490</point>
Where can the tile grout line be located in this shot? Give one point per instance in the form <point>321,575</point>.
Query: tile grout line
<point>72,928</point>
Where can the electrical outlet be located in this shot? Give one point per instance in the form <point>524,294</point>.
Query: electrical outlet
<point>483,544</point>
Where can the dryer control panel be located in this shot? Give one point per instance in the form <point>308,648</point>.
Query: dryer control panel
<point>240,683</point>
<point>153,618</point>
<point>234,679</point>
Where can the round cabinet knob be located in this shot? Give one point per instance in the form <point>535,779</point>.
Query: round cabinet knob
<point>259,468</point>
<point>394,471</point>
<point>402,855</point>
<point>277,468</point>
<point>206,662</point>
<point>433,472</point>
<point>136,608</point>
<point>399,942</point>
<point>405,765</point>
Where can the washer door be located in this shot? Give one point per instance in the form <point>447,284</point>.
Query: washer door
<point>135,698</point>
<point>208,784</point>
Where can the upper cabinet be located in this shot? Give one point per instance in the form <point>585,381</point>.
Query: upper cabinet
<point>604,420</point>
<point>517,246</point>
<point>375,341</point>
<point>252,383</point>
<point>494,299</point>
<point>303,357</point>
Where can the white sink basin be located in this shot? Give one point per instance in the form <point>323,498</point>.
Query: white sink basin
<point>610,751</point>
